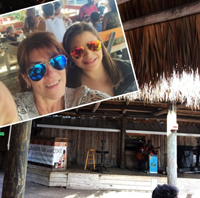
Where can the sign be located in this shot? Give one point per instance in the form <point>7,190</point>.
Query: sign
<point>174,127</point>
<point>49,155</point>
<point>153,163</point>
<point>2,134</point>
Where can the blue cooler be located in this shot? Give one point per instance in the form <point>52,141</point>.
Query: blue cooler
<point>153,163</point>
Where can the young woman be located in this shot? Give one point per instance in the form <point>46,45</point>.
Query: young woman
<point>91,65</point>
<point>42,78</point>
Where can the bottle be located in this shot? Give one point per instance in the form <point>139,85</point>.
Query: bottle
<point>63,159</point>
<point>1,20</point>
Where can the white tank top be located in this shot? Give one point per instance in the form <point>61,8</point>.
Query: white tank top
<point>56,27</point>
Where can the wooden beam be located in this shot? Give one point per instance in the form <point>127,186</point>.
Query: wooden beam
<point>164,111</point>
<point>130,107</point>
<point>123,132</point>
<point>127,103</point>
<point>96,106</point>
<point>16,165</point>
<point>162,16</point>
<point>129,115</point>
<point>121,1</point>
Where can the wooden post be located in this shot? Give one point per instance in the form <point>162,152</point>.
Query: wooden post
<point>16,165</point>
<point>164,15</point>
<point>171,145</point>
<point>123,132</point>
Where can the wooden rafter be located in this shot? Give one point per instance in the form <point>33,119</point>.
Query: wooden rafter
<point>121,1</point>
<point>96,106</point>
<point>166,15</point>
<point>127,103</point>
<point>164,111</point>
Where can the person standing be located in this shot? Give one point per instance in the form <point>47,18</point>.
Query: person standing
<point>87,9</point>
<point>145,150</point>
<point>51,23</point>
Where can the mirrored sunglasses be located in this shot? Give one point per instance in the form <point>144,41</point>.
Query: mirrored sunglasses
<point>78,52</point>
<point>38,71</point>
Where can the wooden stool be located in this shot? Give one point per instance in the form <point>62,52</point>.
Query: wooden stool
<point>90,157</point>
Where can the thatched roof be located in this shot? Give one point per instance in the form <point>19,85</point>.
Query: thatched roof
<point>159,48</point>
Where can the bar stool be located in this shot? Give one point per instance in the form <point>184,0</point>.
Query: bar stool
<point>90,157</point>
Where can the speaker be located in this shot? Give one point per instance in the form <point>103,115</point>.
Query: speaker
<point>184,156</point>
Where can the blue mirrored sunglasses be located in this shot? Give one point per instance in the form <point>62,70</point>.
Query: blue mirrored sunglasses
<point>38,71</point>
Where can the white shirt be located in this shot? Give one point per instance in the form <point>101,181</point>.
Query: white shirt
<point>56,27</point>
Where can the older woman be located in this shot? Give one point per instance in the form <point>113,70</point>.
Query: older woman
<point>42,78</point>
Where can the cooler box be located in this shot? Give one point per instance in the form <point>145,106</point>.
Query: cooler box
<point>153,163</point>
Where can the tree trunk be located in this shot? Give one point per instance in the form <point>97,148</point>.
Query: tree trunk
<point>16,165</point>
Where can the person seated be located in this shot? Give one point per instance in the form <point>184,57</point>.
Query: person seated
<point>165,191</point>
<point>58,14</point>
<point>11,35</point>
<point>87,9</point>
<point>95,18</point>
<point>31,21</point>
<point>51,23</point>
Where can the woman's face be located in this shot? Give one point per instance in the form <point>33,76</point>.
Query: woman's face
<point>90,61</point>
<point>52,85</point>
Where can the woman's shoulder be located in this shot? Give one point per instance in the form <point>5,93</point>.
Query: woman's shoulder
<point>128,84</point>
<point>123,65</point>
<point>23,95</point>
<point>25,105</point>
<point>83,95</point>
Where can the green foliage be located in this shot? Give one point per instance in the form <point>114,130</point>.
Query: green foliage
<point>18,15</point>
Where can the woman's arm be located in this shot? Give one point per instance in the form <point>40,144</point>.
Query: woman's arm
<point>39,24</point>
<point>104,23</point>
<point>26,28</point>
<point>8,110</point>
<point>66,18</point>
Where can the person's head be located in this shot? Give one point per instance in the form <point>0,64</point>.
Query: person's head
<point>149,142</point>
<point>90,2</point>
<point>10,30</point>
<point>30,12</point>
<point>165,191</point>
<point>87,53</point>
<point>57,8</point>
<point>41,68</point>
<point>48,10</point>
<point>95,17</point>
<point>112,5</point>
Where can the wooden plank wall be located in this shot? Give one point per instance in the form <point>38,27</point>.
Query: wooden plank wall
<point>82,140</point>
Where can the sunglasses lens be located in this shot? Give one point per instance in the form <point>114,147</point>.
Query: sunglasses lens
<point>77,52</point>
<point>94,45</point>
<point>59,62</point>
<point>37,72</point>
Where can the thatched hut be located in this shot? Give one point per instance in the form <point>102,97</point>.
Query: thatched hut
<point>163,38</point>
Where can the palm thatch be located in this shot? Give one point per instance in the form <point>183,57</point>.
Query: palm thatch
<point>160,49</point>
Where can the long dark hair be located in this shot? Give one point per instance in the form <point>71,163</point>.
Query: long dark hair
<point>74,74</point>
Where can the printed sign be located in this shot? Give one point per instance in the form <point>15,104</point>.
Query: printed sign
<point>49,155</point>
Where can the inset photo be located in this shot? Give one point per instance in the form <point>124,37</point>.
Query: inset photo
<point>58,56</point>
